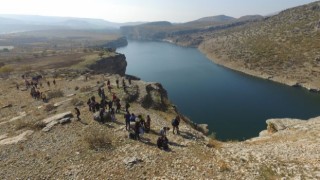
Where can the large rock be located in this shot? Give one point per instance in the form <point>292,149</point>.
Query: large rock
<point>275,125</point>
<point>155,97</point>
<point>132,93</point>
<point>57,117</point>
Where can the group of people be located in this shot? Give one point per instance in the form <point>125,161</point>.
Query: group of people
<point>107,106</point>
<point>34,84</point>
<point>163,141</point>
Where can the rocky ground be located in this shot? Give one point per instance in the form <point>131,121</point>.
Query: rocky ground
<point>87,149</point>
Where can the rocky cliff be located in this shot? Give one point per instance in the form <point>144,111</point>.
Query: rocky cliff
<point>115,64</point>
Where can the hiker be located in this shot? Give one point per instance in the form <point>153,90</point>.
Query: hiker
<point>48,83</point>
<point>142,121</point>
<point>132,118</point>
<point>103,95</point>
<point>163,131</point>
<point>175,124</point>
<point>148,124</point>
<point>118,106</point>
<point>109,88</point>
<point>108,82</point>
<point>162,143</point>
<point>89,104</point>
<point>99,92</point>
<point>54,81</point>
<point>129,79</point>
<point>101,113</point>
<point>114,97</point>
<point>110,104</point>
<point>127,119</point>
<point>93,106</point>
<point>113,116</point>
<point>77,113</point>
<point>103,103</point>
<point>117,82</point>
<point>127,107</point>
<point>137,129</point>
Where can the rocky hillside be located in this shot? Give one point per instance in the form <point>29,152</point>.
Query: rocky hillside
<point>283,48</point>
<point>44,140</point>
<point>180,33</point>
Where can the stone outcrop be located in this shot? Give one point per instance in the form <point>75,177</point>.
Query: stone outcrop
<point>16,139</point>
<point>155,97</point>
<point>113,65</point>
<point>56,119</point>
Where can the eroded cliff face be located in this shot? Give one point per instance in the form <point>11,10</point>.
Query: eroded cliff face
<point>120,42</point>
<point>116,64</point>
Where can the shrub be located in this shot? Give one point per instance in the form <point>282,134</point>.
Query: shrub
<point>6,69</point>
<point>49,107</point>
<point>76,102</point>
<point>98,140</point>
<point>85,89</point>
<point>55,94</point>
<point>212,142</point>
<point>21,124</point>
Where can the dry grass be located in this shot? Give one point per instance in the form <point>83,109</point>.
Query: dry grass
<point>223,166</point>
<point>55,94</point>
<point>49,107</point>
<point>27,124</point>
<point>98,140</point>
<point>85,89</point>
<point>212,143</point>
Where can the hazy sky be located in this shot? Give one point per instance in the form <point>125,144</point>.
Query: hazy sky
<point>146,10</point>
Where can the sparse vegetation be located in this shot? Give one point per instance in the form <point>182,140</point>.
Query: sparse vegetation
<point>55,94</point>
<point>85,89</point>
<point>98,140</point>
<point>49,107</point>
<point>6,69</point>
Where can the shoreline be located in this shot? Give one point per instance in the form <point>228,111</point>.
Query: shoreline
<point>236,67</point>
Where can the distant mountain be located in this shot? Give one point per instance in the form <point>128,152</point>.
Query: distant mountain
<point>20,23</point>
<point>250,18</point>
<point>219,19</point>
<point>157,23</point>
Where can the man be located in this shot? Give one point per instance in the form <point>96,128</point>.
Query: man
<point>175,124</point>
<point>77,113</point>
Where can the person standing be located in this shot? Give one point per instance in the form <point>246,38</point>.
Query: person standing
<point>175,124</point>
<point>77,113</point>
<point>148,124</point>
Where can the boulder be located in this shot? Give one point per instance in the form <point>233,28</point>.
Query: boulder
<point>57,117</point>
<point>130,161</point>
<point>156,97</point>
<point>132,93</point>
<point>275,125</point>
<point>65,120</point>
<point>204,128</point>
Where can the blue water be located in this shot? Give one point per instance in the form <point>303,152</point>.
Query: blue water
<point>234,105</point>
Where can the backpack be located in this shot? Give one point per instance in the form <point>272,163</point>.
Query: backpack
<point>174,122</point>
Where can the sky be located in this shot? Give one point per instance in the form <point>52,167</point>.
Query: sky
<point>146,10</point>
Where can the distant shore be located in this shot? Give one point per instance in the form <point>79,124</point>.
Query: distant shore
<point>223,61</point>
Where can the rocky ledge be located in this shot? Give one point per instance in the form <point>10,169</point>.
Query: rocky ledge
<point>116,64</point>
